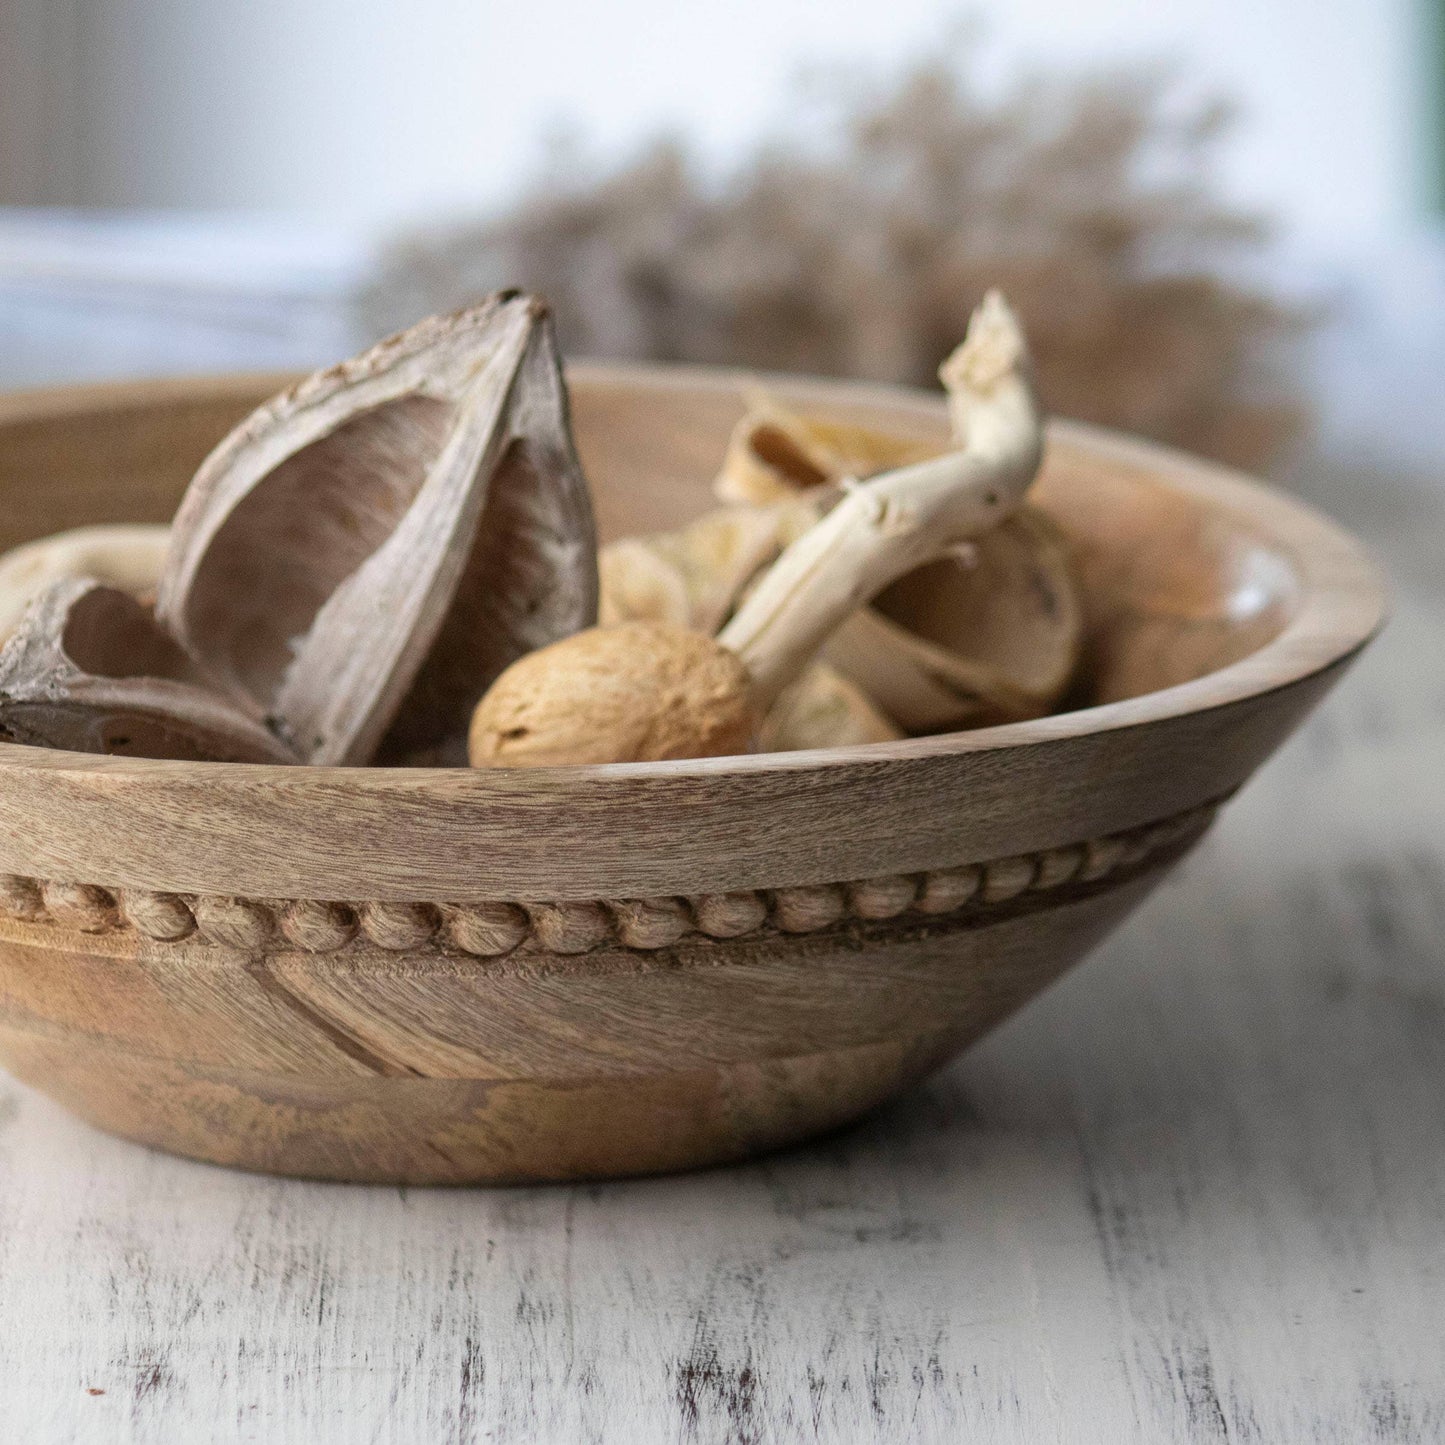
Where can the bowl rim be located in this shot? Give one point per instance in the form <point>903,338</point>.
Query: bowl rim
<point>1342,603</point>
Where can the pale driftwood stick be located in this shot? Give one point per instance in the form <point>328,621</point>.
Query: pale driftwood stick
<point>656,692</point>
<point>888,526</point>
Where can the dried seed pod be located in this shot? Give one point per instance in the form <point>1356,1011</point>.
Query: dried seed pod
<point>363,555</point>
<point>774,454</point>
<point>695,577</point>
<point>124,556</point>
<point>823,710</point>
<point>638,584</point>
<point>89,669</point>
<point>987,638</point>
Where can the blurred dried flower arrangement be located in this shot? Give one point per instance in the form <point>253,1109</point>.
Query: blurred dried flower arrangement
<point>863,252</point>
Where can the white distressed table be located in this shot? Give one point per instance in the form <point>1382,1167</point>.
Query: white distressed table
<point>1196,1192</point>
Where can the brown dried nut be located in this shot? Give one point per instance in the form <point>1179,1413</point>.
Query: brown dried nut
<point>124,556</point>
<point>362,556</point>
<point>638,692</point>
<point>994,637</point>
<point>695,576</point>
<point>775,453</point>
<point>90,670</point>
<point>823,710</point>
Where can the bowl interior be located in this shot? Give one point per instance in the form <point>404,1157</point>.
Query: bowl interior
<point>1175,584</point>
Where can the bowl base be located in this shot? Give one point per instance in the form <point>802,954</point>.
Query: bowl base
<point>452,1131</point>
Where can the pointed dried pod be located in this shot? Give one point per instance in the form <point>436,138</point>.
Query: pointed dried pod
<point>362,556</point>
<point>89,669</point>
<point>128,556</point>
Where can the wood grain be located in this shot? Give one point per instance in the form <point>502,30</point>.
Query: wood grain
<point>408,1056</point>
<point>1194,1193</point>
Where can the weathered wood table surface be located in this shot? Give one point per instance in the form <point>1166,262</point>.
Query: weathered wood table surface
<point>1197,1192</point>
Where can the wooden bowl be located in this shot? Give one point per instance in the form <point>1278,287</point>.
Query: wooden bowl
<point>442,975</point>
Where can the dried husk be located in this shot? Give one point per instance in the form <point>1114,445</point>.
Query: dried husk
<point>971,641</point>
<point>369,550</point>
<point>89,669</point>
<point>128,556</point>
<point>824,710</point>
<point>963,642</point>
<point>774,454</point>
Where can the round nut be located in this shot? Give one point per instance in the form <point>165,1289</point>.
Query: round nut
<point>638,692</point>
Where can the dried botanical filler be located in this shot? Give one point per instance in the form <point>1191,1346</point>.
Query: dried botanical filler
<point>394,562</point>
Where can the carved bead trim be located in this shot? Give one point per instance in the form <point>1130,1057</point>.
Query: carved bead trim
<point>489,930</point>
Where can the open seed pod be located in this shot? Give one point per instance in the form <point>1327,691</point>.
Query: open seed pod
<point>993,637</point>
<point>775,453</point>
<point>989,637</point>
<point>823,710</point>
<point>695,576</point>
<point>369,550</point>
<point>89,669</point>
<point>128,556</point>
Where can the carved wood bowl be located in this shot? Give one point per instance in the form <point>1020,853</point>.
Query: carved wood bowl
<point>449,976</point>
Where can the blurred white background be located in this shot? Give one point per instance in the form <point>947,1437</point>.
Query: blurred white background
<point>238,166</point>
<point>373,112</point>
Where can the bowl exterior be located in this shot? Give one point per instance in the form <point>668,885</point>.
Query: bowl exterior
<point>507,1042</point>
<point>451,975</point>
